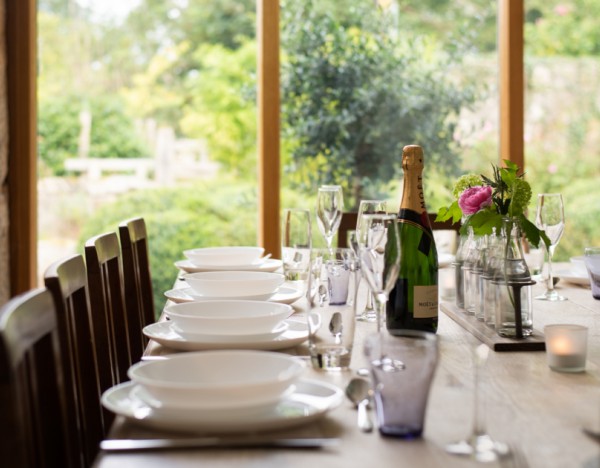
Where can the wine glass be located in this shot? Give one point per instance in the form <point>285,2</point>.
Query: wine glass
<point>296,247</point>
<point>330,204</point>
<point>550,217</point>
<point>479,445</point>
<point>380,257</point>
<point>369,313</point>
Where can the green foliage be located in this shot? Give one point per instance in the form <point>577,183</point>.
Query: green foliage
<point>202,215</point>
<point>355,92</point>
<point>563,28</point>
<point>112,134</point>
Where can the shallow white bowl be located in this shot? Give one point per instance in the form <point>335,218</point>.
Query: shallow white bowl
<point>228,317</point>
<point>217,378</point>
<point>234,283</point>
<point>223,256</point>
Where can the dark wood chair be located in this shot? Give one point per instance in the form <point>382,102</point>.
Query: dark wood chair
<point>349,219</point>
<point>137,280</point>
<point>110,324</point>
<point>34,429</point>
<point>67,281</point>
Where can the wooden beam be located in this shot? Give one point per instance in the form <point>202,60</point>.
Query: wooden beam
<point>22,149</point>
<point>268,125</point>
<point>512,79</point>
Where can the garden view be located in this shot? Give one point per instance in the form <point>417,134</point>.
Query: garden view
<point>170,86</point>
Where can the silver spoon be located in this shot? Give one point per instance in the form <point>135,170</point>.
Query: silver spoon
<point>359,391</point>
<point>336,327</point>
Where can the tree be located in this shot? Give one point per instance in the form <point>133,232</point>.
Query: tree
<point>355,92</point>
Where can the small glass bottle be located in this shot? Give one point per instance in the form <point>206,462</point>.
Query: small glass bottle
<point>514,307</point>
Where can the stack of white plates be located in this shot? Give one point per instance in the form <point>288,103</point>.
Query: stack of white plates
<point>227,259</point>
<point>228,324</point>
<point>224,391</point>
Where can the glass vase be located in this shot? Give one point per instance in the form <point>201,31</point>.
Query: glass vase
<point>514,314</point>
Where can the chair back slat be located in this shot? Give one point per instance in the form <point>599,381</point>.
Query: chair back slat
<point>137,280</point>
<point>67,281</point>
<point>105,282</point>
<point>34,429</point>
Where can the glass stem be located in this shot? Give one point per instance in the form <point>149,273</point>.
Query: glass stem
<point>369,305</point>
<point>550,285</point>
<point>380,315</point>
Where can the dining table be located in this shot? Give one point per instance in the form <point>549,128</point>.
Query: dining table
<point>540,413</point>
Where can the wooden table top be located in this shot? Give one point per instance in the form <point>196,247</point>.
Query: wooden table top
<point>528,405</point>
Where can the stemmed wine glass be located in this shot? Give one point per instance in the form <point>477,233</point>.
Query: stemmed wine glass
<point>550,217</point>
<point>480,444</point>
<point>380,264</point>
<point>330,205</point>
<point>369,314</point>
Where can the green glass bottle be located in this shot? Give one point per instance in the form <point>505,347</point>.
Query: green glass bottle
<point>413,303</point>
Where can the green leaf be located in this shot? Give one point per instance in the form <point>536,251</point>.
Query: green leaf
<point>484,222</point>
<point>532,233</point>
<point>450,212</point>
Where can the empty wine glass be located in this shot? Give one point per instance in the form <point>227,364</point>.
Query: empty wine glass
<point>330,204</point>
<point>380,264</point>
<point>480,444</point>
<point>550,217</point>
<point>369,314</point>
<point>296,247</point>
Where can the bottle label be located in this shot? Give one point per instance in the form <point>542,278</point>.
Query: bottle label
<point>425,301</point>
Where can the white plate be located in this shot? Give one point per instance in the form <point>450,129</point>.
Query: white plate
<point>574,277</point>
<point>268,265</point>
<point>284,295</point>
<point>265,336</point>
<point>164,334</point>
<point>309,401</point>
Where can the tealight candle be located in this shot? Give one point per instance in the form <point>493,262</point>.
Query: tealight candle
<point>566,347</point>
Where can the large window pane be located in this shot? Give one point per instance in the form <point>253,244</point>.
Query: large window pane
<point>361,79</point>
<point>147,108</point>
<point>562,126</point>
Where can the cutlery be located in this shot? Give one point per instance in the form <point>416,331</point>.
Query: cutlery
<point>359,392</point>
<point>126,445</point>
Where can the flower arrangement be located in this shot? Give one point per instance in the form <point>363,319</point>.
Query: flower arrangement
<point>483,202</point>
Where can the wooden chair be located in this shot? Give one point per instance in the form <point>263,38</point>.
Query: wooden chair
<point>349,219</point>
<point>139,300</point>
<point>34,429</point>
<point>67,281</point>
<point>110,324</point>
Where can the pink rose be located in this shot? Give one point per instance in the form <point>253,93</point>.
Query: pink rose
<point>474,199</point>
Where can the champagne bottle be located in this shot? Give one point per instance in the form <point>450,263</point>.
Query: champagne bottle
<point>413,303</point>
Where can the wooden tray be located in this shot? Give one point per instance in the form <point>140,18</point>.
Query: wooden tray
<point>489,336</point>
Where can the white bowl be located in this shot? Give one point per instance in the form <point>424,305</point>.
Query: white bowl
<point>234,283</point>
<point>228,317</point>
<point>578,265</point>
<point>223,256</point>
<point>209,379</point>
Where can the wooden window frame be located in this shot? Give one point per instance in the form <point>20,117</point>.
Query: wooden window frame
<point>21,83</point>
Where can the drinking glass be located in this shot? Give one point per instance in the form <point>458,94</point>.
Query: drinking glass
<point>479,445</point>
<point>550,217</point>
<point>369,314</point>
<point>296,247</point>
<point>380,257</point>
<point>330,205</point>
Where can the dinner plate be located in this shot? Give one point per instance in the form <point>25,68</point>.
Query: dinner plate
<point>284,295</point>
<point>263,336</point>
<point>574,277</point>
<point>269,265</point>
<point>309,401</point>
<point>164,334</point>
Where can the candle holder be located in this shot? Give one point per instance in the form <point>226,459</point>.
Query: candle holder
<point>566,347</point>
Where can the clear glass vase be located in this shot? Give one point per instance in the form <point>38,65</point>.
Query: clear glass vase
<point>514,308</point>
